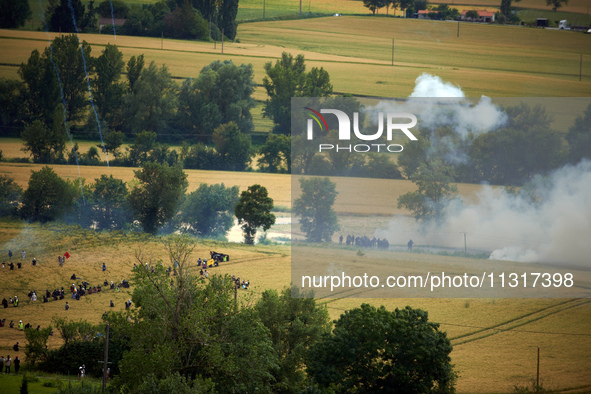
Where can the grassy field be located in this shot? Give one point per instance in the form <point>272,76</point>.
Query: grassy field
<point>485,59</point>
<point>495,340</point>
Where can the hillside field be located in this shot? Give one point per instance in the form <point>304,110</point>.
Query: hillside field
<point>495,340</point>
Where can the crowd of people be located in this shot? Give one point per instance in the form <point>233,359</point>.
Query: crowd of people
<point>80,288</point>
<point>364,241</point>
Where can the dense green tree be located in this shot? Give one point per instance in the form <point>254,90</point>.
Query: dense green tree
<point>232,92</point>
<point>374,5</point>
<point>296,322</point>
<point>48,197</point>
<point>11,103</point>
<point>314,208</point>
<point>113,141</point>
<point>227,12</point>
<point>445,12</point>
<point>194,329</point>
<point>89,23</point>
<point>556,4</point>
<point>41,92</point>
<point>134,68</point>
<point>108,91</point>
<point>155,199</point>
<point>110,210</point>
<point>62,15</point>
<point>275,154</point>
<point>197,115</point>
<point>233,146</point>
<point>67,57</point>
<point>391,3</point>
<point>141,148</point>
<point>506,9</point>
<point>138,21</point>
<point>201,157</point>
<point>222,93</point>
<point>14,13</point>
<point>153,102</point>
<point>526,146</point>
<point>209,210</point>
<point>288,78</point>
<point>116,8</point>
<point>36,348</point>
<point>435,190</point>
<point>374,350</point>
<point>46,145</point>
<point>253,211</point>
<point>579,138</point>
<point>378,166</point>
<point>472,15</point>
<point>185,23</point>
<point>405,5</point>
<point>10,196</point>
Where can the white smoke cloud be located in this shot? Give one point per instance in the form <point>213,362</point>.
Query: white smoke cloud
<point>427,85</point>
<point>556,229</point>
<point>439,104</point>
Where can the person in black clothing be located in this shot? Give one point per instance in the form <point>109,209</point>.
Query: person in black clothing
<point>16,347</point>
<point>11,265</point>
<point>19,265</point>
<point>112,305</point>
<point>17,364</point>
<point>5,303</point>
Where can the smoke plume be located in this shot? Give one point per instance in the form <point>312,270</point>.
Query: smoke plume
<point>548,221</point>
<point>441,104</point>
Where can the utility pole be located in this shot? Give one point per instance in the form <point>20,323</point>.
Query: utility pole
<point>392,51</point>
<point>458,29</point>
<point>162,42</point>
<point>222,41</point>
<point>465,250</point>
<point>538,374</point>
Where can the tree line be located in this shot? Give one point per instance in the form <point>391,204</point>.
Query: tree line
<point>154,202</point>
<point>211,115</point>
<point>199,338</point>
<point>179,19</point>
<point>526,146</point>
<point>409,7</point>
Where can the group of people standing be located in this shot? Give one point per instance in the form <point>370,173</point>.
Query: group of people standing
<point>6,364</point>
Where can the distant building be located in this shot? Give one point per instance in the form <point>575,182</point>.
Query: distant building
<point>424,14</point>
<point>111,22</point>
<point>483,16</point>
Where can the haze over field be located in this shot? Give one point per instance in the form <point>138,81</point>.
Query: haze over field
<point>549,221</point>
